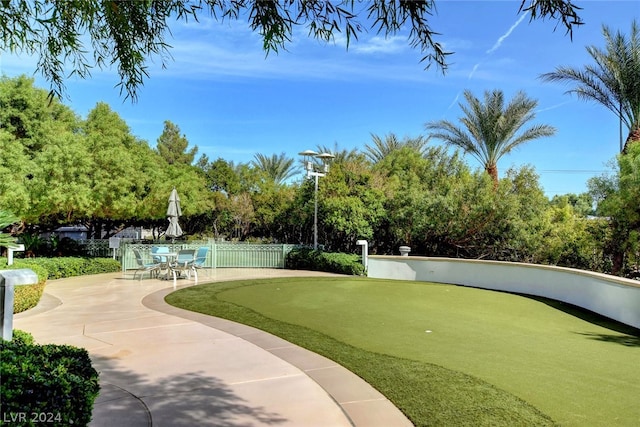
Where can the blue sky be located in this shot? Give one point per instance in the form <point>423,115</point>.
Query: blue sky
<point>233,101</point>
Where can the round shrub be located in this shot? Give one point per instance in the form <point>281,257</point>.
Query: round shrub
<point>56,381</point>
<point>332,262</point>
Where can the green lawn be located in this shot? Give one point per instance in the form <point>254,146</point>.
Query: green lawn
<point>449,355</point>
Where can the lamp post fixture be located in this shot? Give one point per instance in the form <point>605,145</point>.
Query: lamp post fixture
<point>314,170</point>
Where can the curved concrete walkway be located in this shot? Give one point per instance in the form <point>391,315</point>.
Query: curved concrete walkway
<point>163,366</point>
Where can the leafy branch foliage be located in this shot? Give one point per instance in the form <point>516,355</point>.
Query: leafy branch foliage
<point>74,37</point>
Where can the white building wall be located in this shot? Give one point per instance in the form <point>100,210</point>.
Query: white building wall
<point>611,296</point>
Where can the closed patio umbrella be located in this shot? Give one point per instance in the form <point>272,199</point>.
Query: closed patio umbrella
<point>173,212</point>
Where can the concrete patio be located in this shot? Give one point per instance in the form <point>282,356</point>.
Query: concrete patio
<point>163,366</point>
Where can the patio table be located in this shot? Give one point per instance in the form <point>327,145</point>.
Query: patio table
<point>165,267</point>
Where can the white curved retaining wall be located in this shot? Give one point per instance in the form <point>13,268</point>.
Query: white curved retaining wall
<point>611,296</point>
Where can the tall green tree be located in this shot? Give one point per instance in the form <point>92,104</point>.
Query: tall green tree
<point>581,204</point>
<point>613,81</point>
<point>243,214</point>
<point>16,171</point>
<point>438,206</point>
<point>221,176</point>
<point>120,179</point>
<point>618,196</point>
<point>45,164</point>
<point>57,169</point>
<point>491,129</point>
<point>28,116</point>
<point>172,146</point>
<point>418,190</point>
<point>350,204</point>
<point>571,240</point>
<point>62,187</point>
<point>271,204</point>
<point>73,37</point>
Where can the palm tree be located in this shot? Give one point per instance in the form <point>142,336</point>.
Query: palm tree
<point>614,80</point>
<point>277,167</point>
<point>383,147</point>
<point>341,154</point>
<point>491,129</point>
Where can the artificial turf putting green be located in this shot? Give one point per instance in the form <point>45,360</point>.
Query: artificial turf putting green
<point>449,355</point>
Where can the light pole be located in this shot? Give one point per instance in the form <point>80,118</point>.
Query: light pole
<point>312,171</point>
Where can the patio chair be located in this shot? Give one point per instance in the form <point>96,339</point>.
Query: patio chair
<point>183,263</point>
<point>199,260</point>
<point>143,267</point>
<point>157,250</point>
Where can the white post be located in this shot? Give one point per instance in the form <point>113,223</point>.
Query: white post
<point>11,250</point>
<point>9,279</point>
<point>315,215</point>
<point>365,253</point>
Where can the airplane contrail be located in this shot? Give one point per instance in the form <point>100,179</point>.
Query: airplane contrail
<point>475,67</point>
<point>553,107</point>
<point>454,101</point>
<point>507,34</point>
<point>495,47</point>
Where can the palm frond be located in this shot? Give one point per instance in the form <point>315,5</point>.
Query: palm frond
<point>6,219</point>
<point>383,147</point>
<point>279,168</point>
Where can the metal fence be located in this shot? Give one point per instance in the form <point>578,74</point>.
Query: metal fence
<point>95,248</point>
<point>220,255</point>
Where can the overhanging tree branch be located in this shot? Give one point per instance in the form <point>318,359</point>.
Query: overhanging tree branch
<point>126,34</point>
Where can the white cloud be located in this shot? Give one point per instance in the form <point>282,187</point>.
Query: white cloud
<point>453,45</point>
<point>366,46</point>
<point>220,56</point>
<point>378,44</point>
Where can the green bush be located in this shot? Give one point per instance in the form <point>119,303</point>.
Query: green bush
<point>332,262</point>
<point>54,383</point>
<point>59,268</point>
<point>27,296</point>
<point>40,270</point>
<point>25,338</point>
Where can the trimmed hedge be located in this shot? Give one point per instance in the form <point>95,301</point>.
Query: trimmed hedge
<point>59,268</point>
<point>49,384</point>
<point>26,296</point>
<point>332,262</point>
